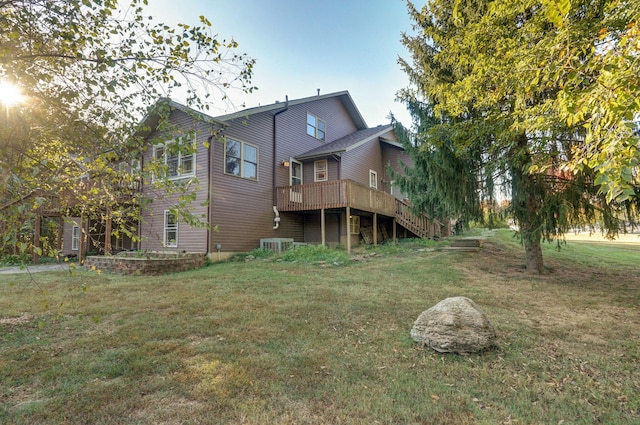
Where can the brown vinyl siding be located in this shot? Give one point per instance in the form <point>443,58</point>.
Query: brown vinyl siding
<point>67,227</point>
<point>392,157</point>
<point>312,228</point>
<point>242,210</point>
<point>190,239</point>
<point>357,163</point>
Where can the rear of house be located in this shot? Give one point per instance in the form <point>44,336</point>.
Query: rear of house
<point>308,170</point>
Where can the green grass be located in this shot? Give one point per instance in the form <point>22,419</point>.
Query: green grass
<point>304,341</point>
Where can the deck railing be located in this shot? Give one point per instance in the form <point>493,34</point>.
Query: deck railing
<point>347,193</point>
<point>334,194</point>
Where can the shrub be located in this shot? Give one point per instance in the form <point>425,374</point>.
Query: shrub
<point>15,259</point>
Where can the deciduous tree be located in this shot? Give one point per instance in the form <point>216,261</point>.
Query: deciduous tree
<point>89,71</point>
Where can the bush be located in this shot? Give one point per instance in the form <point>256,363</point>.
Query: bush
<point>15,259</point>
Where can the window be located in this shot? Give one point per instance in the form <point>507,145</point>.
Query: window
<point>295,177</point>
<point>170,230</point>
<point>179,164</point>
<point>75,238</point>
<point>373,179</point>
<point>320,170</point>
<point>315,127</point>
<point>354,224</point>
<point>241,159</point>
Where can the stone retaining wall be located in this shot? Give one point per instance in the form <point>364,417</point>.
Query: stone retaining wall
<point>146,264</point>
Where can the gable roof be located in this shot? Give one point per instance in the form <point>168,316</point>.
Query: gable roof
<point>348,142</point>
<point>151,120</point>
<point>343,96</point>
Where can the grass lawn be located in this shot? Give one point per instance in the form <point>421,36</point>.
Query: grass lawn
<point>276,342</point>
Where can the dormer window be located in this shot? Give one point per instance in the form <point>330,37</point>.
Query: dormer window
<point>315,127</point>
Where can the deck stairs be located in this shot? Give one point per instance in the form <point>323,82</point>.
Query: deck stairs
<point>420,225</point>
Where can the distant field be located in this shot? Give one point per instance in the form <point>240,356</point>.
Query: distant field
<point>627,241</point>
<point>302,341</point>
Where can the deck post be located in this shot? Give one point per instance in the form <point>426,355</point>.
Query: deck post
<point>394,230</point>
<point>59,233</point>
<point>348,229</point>
<point>36,238</point>
<point>107,232</point>
<point>82,252</point>
<point>322,227</point>
<point>375,229</point>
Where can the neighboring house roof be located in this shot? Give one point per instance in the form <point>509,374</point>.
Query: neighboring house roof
<point>348,142</point>
<point>343,96</point>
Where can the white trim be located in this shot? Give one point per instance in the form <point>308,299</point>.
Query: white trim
<point>180,160</point>
<point>75,238</point>
<point>316,169</point>
<point>173,243</point>
<point>373,179</point>
<point>291,169</point>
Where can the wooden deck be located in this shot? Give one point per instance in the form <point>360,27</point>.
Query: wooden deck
<point>351,195</point>
<point>335,194</point>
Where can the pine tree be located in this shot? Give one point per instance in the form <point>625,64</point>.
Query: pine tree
<point>489,105</point>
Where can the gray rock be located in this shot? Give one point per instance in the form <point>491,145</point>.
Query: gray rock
<point>454,325</point>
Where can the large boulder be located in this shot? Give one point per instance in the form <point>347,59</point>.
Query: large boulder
<point>454,325</point>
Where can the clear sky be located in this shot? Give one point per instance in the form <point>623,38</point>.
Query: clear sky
<point>301,46</point>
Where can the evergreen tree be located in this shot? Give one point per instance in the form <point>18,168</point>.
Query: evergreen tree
<point>495,98</point>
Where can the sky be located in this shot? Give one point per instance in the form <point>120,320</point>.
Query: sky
<point>301,46</point>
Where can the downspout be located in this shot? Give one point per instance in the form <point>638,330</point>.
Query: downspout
<point>209,191</point>
<point>276,219</point>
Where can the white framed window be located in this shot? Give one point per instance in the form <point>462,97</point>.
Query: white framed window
<point>354,224</point>
<point>170,229</point>
<point>240,159</point>
<point>75,238</point>
<point>179,164</point>
<point>295,173</point>
<point>315,127</point>
<point>320,171</point>
<point>373,179</point>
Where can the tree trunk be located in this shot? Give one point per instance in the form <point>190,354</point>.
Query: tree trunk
<point>533,252</point>
<point>527,205</point>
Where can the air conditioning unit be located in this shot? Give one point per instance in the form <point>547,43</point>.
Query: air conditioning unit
<point>277,245</point>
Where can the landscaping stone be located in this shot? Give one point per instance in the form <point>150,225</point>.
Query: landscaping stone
<point>454,325</point>
<point>146,263</point>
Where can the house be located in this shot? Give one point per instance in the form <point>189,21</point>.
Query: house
<point>309,169</point>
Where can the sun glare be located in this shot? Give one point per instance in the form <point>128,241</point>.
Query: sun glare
<point>10,94</point>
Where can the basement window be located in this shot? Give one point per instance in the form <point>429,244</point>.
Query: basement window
<point>354,224</point>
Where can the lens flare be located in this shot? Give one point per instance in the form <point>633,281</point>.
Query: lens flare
<point>10,94</point>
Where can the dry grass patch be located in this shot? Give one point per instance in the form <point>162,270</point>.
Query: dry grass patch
<point>276,342</point>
